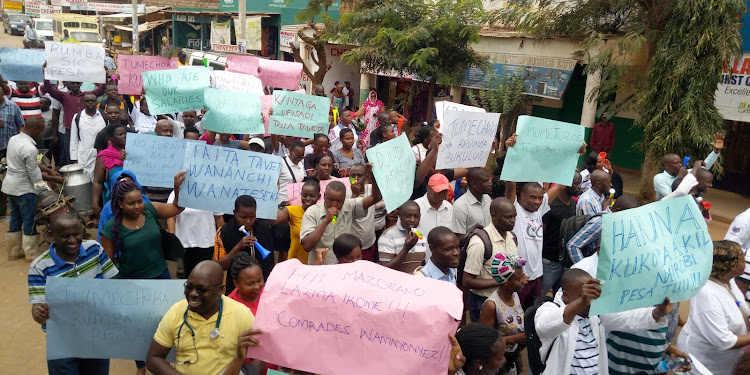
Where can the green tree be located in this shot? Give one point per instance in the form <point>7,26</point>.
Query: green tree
<point>686,44</point>
<point>506,97</point>
<point>317,20</point>
<point>430,39</point>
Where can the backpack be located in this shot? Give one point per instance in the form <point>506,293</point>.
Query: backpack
<point>475,230</point>
<point>533,342</point>
<point>568,229</point>
<point>77,120</point>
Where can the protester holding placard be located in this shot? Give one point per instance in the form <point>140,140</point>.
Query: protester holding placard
<point>187,324</point>
<point>26,95</point>
<point>673,162</point>
<point>364,227</point>
<point>72,100</point>
<point>323,222</point>
<point>400,247</point>
<point>143,122</point>
<point>717,327</point>
<point>293,170</point>
<point>244,233</point>
<point>67,256</point>
<point>422,141</point>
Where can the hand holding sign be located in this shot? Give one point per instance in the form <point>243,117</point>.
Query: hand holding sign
<point>18,64</point>
<point>470,137</point>
<point>298,115</point>
<point>74,62</point>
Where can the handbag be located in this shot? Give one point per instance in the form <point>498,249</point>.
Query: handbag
<point>171,246</point>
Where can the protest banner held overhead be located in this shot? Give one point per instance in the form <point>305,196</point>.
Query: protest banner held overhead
<point>298,115</point>
<point>95,318</point>
<point>175,90</point>
<point>236,82</point>
<point>652,252</point>
<point>443,106</point>
<point>216,176</point>
<point>280,74</point>
<point>130,67</point>
<point>362,309</point>
<point>545,150</point>
<point>17,64</point>
<point>393,165</point>
<point>155,160</point>
<point>74,62</point>
<point>243,64</point>
<point>232,112</point>
<point>468,139</point>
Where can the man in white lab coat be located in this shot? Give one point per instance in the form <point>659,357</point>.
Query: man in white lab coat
<point>84,128</point>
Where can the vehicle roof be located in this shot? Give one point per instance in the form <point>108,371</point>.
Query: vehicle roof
<point>73,16</point>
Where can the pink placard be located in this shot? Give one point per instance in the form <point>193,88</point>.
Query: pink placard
<point>294,191</point>
<point>266,102</point>
<point>243,64</point>
<point>357,318</point>
<point>280,74</point>
<point>130,68</point>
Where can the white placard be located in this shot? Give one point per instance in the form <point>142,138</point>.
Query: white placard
<point>467,139</point>
<point>442,106</point>
<point>74,62</point>
<point>236,82</point>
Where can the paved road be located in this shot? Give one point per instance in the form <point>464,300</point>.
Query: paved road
<point>23,342</point>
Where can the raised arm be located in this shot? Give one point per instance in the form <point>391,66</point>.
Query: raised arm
<point>427,166</point>
<point>167,210</point>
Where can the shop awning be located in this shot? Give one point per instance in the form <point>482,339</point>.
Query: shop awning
<point>141,27</point>
<point>149,10</point>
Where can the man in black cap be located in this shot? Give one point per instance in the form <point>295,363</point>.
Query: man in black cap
<point>182,58</point>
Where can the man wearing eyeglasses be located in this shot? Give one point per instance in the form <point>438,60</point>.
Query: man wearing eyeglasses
<point>210,332</point>
<point>84,128</point>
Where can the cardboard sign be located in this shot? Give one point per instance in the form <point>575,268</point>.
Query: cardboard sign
<point>175,90</point>
<point>280,74</point>
<point>370,319</point>
<point>74,62</point>
<point>468,139</point>
<point>243,64</point>
<point>236,82</point>
<point>393,165</point>
<point>155,160</point>
<point>233,113</point>
<point>18,64</point>
<point>217,176</point>
<point>130,68</point>
<point>294,191</point>
<point>545,150</point>
<point>298,115</point>
<point>648,253</point>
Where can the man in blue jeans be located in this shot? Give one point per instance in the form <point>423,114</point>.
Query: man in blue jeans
<point>22,182</point>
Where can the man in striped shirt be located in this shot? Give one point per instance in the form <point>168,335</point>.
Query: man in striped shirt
<point>399,247</point>
<point>26,95</point>
<point>68,256</point>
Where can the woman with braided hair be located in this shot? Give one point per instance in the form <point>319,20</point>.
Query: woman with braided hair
<point>248,280</point>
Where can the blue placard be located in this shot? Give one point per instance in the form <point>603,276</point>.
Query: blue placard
<point>216,176</point>
<point>648,253</point>
<point>95,318</point>
<point>155,160</point>
<point>18,64</point>
<point>393,165</point>
<point>175,90</point>
<point>232,112</point>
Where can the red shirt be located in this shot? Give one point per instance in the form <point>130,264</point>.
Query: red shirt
<point>602,137</point>
<point>252,305</point>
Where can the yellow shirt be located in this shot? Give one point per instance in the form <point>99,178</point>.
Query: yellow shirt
<point>295,223</point>
<point>213,354</point>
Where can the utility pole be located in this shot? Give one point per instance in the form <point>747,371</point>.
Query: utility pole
<point>135,27</point>
<point>241,42</point>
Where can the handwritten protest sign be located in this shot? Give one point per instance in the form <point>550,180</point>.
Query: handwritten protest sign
<point>294,191</point>
<point>17,64</point>
<point>280,74</point>
<point>233,113</point>
<point>243,64</point>
<point>175,90</point>
<point>74,62</point>
<point>364,310</point>
<point>236,82</point>
<point>443,106</point>
<point>216,176</point>
<point>298,115</point>
<point>468,139</point>
<point>95,318</point>
<point>652,252</point>
<point>393,166</point>
<point>546,150</point>
<point>155,160</point>
<point>130,68</point>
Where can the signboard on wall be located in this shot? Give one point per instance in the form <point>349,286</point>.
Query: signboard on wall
<point>33,8</point>
<point>733,93</point>
<point>286,38</point>
<point>543,76</point>
<point>13,6</point>
<point>46,11</point>
<point>60,3</point>
<point>107,7</point>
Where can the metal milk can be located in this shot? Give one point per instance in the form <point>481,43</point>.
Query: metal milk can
<point>77,185</point>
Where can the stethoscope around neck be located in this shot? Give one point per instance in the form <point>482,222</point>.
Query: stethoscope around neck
<point>214,332</point>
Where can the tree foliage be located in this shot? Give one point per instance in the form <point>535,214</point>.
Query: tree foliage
<point>430,39</point>
<point>505,97</point>
<point>686,44</point>
<point>317,19</point>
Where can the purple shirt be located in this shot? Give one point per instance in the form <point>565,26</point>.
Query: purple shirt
<point>71,103</point>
